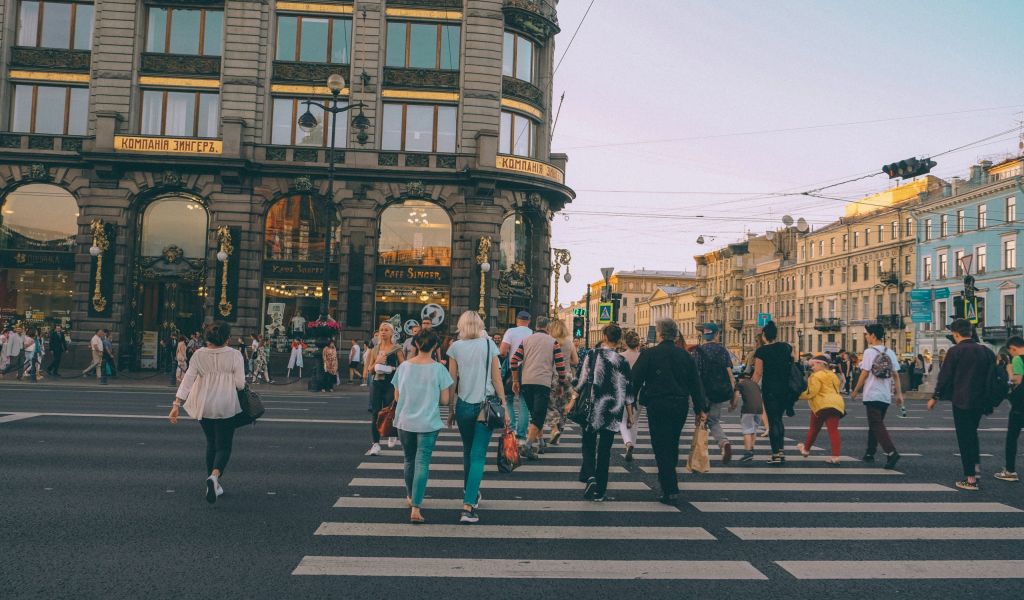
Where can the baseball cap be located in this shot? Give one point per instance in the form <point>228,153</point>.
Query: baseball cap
<point>523,316</point>
<point>710,330</point>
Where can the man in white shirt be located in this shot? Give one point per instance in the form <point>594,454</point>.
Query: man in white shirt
<point>518,413</point>
<point>355,359</point>
<point>12,347</point>
<point>879,374</point>
<point>96,347</point>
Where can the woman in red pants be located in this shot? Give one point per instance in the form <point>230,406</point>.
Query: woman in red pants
<point>827,407</point>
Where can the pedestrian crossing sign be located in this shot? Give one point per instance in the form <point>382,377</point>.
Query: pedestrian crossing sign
<point>971,310</point>
<point>604,313</point>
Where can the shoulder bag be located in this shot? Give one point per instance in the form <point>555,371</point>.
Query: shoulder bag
<point>584,405</point>
<point>492,413</point>
<point>251,405</point>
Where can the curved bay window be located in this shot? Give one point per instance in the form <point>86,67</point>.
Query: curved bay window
<point>38,224</point>
<point>515,285</point>
<point>171,267</point>
<point>293,263</point>
<point>413,274</point>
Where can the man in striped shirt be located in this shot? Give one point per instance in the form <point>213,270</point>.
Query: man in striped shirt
<point>534,366</point>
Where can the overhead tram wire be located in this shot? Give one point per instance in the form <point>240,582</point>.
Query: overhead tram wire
<point>573,38</point>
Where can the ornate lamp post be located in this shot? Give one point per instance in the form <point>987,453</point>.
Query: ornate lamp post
<point>100,243</point>
<point>482,254</point>
<point>226,250</point>
<point>560,257</point>
<point>307,122</point>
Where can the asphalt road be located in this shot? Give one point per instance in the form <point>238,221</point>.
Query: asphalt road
<point>101,497</point>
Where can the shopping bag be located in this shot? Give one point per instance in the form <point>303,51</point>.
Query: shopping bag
<point>508,452</point>
<point>386,421</point>
<point>698,461</point>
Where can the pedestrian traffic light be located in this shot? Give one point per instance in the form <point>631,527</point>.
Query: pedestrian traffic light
<point>577,327</point>
<point>909,168</point>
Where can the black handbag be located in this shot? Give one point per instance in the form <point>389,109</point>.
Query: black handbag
<point>583,407</point>
<point>492,413</point>
<point>252,406</point>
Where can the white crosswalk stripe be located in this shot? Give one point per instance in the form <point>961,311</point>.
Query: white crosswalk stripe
<point>512,532</point>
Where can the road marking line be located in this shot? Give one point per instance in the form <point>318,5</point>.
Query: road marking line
<point>494,443</point>
<point>513,532</point>
<point>477,568</point>
<point>904,569</point>
<point>262,420</point>
<point>18,417</point>
<point>511,505</point>
<point>458,454</point>
<point>751,486</point>
<point>497,484</point>
<point>717,457</point>
<point>491,468</point>
<point>783,471</point>
<point>877,533</point>
<point>854,507</point>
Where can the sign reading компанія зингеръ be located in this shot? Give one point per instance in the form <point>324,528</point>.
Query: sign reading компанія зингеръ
<point>530,167</point>
<point>139,143</point>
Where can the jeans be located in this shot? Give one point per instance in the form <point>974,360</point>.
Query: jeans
<point>629,433</point>
<point>518,416</point>
<point>597,451</point>
<point>715,423</point>
<point>1013,427</point>
<point>966,423</point>
<point>382,395</point>
<point>776,428</point>
<point>54,368</point>
<point>220,433</point>
<point>665,425</point>
<point>877,433</point>
<point>476,436</point>
<point>537,399</point>
<point>418,447</point>
<point>830,418</point>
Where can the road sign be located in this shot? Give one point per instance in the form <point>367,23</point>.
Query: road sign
<point>921,305</point>
<point>579,312</point>
<point>965,263</point>
<point>604,313</point>
<point>941,293</point>
<point>606,272</point>
<point>831,347</point>
<point>971,310</point>
<point>763,318</point>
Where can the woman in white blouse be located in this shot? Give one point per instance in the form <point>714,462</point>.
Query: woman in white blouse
<point>209,391</point>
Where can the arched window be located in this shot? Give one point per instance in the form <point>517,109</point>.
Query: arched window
<point>294,230</point>
<point>516,231</point>
<point>414,258</point>
<point>415,232</point>
<point>39,217</point>
<point>174,221</point>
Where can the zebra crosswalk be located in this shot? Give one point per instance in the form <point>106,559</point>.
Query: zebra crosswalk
<point>807,503</point>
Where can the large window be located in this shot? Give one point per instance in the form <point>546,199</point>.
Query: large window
<point>39,217</point>
<point>518,57</point>
<point>174,221</point>
<point>286,131</point>
<point>961,221</point>
<point>958,265</point>
<point>516,235</point>
<point>982,215</point>
<point>185,31</point>
<point>981,259</point>
<point>518,135</point>
<point>943,265</point>
<point>943,225</point>
<point>927,229</point>
<point>415,232</point>
<point>419,128</point>
<point>1010,254</point>
<point>182,113</point>
<point>294,230</point>
<point>50,109</point>
<point>926,268</point>
<point>1011,209</point>
<point>55,25</point>
<point>314,39</point>
<point>423,45</point>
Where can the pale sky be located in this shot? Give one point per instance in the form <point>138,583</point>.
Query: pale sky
<point>685,96</point>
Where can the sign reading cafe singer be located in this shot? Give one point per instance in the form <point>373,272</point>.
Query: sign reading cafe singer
<point>167,145</point>
<point>413,274</point>
<point>530,167</point>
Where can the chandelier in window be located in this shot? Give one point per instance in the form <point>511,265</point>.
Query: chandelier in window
<point>418,218</point>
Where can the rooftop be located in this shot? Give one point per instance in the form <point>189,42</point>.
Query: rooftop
<point>657,274</point>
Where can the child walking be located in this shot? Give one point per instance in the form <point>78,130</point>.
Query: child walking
<point>750,412</point>
<point>827,407</point>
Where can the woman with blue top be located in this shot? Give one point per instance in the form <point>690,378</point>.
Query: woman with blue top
<point>473,364</point>
<point>421,387</point>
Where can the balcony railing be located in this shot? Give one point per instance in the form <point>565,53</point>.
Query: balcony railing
<point>828,324</point>
<point>889,277</point>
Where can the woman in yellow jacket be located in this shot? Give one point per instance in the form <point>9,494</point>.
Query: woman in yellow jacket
<point>827,407</point>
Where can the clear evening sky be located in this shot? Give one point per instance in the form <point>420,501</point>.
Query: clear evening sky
<point>734,100</point>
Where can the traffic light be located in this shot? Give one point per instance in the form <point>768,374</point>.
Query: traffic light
<point>616,301</point>
<point>909,168</point>
<point>577,327</point>
<point>606,293</point>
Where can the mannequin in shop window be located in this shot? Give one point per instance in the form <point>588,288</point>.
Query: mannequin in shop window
<point>298,323</point>
<point>295,360</point>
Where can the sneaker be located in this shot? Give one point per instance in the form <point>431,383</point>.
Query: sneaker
<point>469,516</point>
<point>832,460</point>
<point>362,385</point>
<point>903,412</point>
<point>530,452</point>
<point>391,442</point>
<point>777,458</point>
<point>891,460</point>
<point>802,448</point>
<point>726,453</point>
<point>669,499</point>
<point>220,490</point>
<point>1006,475</point>
<point>600,498</point>
<point>591,489</point>
<point>211,489</point>
<point>747,456</point>
<point>375,450</point>
<point>629,453</point>
<point>868,457</point>
<point>967,485</point>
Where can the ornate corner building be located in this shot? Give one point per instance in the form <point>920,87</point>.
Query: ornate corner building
<point>153,174</point>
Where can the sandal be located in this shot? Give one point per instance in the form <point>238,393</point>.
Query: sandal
<point>554,437</point>
<point>967,485</point>
<point>417,520</point>
<point>803,450</point>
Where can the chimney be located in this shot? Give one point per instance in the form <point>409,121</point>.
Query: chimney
<point>947,190</point>
<point>957,182</point>
<point>978,172</point>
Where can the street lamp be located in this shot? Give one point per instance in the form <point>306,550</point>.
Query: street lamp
<point>561,257</point>
<point>308,122</point>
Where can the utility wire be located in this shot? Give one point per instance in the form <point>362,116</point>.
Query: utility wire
<point>573,38</point>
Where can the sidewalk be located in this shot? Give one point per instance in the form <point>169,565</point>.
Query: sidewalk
<point>136,380</point>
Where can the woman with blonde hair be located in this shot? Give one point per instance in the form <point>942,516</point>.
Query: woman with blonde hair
<point>473,366</point>
<point>382,363</point>
<point>561,390</point>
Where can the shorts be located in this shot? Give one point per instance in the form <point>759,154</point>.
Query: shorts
<point>354,365</point>
<point>749,424</point>
<point>537,398</point>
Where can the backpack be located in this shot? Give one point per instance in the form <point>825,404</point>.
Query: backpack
<point>881,366</point>
<point>997,387</point>
<point>717,382</point>
<point>796,382</point>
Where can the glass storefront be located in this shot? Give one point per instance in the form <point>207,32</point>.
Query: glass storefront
<point>289,305</point>
<point>38,224</point>
<point>413,275</point>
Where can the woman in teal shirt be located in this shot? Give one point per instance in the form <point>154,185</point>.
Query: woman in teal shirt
<point>421,387</point>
